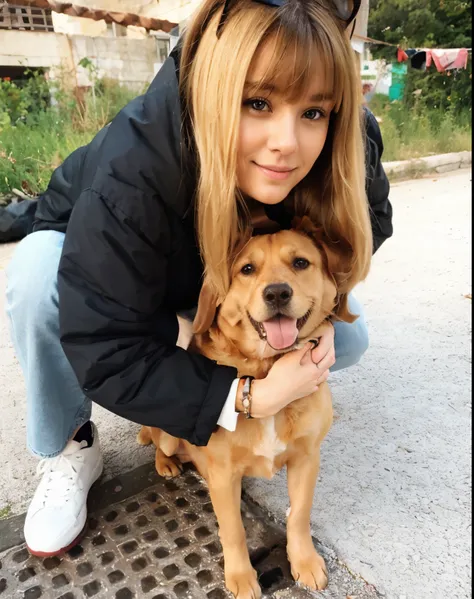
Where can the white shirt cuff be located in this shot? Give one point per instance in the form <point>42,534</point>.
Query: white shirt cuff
<point>228,417</point>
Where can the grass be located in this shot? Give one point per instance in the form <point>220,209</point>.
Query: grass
<point>36,144</point>
<point>32,148</point>
<point>5,512</point>
<point>29,154</point>
<point>410,134</point>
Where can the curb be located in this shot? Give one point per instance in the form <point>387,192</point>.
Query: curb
<point>417,167</point>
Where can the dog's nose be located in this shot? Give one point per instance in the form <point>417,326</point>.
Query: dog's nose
<point>277,295</point>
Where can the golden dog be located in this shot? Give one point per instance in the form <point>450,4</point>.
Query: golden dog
<point>283,289</point>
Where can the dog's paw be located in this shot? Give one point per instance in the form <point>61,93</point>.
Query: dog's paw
<point>243,585</point>
<point>144,437</point>
<point>168,467</point>
<point>310,571</point>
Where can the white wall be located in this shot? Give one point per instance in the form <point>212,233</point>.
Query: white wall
<point>377,73</point>
<point>131,61</point>
<point>124,59</point>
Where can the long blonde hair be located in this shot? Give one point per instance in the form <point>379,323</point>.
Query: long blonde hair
<point>213,74</point>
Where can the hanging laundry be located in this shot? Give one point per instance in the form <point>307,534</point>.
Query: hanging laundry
<point>419,60</point>
<point>444,60</point>
<point>402,56</point>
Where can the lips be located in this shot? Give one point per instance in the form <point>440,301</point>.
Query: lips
<point>278,173</point>
<point>277,169</point>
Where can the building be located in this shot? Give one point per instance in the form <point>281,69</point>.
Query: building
<point>125,40</point>
<point>119,45</point>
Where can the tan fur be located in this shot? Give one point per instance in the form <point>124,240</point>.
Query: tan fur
<point>260,447</point>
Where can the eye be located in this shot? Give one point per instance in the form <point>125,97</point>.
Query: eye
<point>258,104</point>
<point>314,114</point>
<point>248,269</point>
<point>300,263</point>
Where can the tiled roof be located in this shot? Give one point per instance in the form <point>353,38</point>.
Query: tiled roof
<point>122,18</point>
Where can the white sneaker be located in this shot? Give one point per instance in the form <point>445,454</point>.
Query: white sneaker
<point>57,514</point>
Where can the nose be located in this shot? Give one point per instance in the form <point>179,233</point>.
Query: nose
<point>283,135</point>
<point>277,295</point>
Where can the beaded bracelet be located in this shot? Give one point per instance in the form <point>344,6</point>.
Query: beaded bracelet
<point>247,396</point>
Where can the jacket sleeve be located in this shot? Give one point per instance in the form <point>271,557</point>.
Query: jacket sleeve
<point>377,184</point>
<point>54,205</point>
<point>115,328</point>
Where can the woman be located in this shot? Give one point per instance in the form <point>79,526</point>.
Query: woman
<point>254,118</point>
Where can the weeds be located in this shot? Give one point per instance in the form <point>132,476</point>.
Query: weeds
<point>414,133</point>
<point>37,133</point>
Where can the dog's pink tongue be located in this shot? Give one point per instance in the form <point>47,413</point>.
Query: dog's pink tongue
<point>281,331</point>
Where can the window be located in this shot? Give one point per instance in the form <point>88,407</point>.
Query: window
<point>163,48</point>
<point>25,17</point>
<point>116,30</point>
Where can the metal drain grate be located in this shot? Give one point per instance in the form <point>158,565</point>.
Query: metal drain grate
<point>162,544</point>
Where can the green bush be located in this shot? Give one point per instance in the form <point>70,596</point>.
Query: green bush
<point>13,104</point>
<point>25,97</point>
<point>419,131</point>
<point>42,122</point>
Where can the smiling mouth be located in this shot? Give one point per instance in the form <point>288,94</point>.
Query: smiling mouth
<point>280,331</point>
<point>276,173</point>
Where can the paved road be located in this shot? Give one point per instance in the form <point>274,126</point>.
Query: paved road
<point>394,495</point>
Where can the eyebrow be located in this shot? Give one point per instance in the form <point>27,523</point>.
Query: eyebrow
<point>267,87</point>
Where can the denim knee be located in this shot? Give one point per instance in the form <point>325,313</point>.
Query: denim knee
<point>360,341</point>
<point>351,340</point>
<point>32,279</point>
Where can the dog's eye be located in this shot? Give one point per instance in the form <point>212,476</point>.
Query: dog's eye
<point>248,269</point>
<point>300,263</point>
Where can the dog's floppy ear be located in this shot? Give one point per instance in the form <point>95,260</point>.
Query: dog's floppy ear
<point>206,310</point>
<point>336,257</point>
<point>336,254</point>
<point>341,310</point>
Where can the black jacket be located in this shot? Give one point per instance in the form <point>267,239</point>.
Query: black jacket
<point>130,262</point>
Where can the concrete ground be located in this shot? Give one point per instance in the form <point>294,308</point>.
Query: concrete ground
<point>394,496</point>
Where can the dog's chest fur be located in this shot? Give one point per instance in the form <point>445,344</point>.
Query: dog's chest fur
<point>270,445</point>
<point>261,447</point>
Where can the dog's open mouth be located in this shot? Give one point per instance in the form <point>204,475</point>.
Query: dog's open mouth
<point>280,331</point>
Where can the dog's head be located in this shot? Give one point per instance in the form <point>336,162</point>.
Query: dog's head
<point>282,288</point>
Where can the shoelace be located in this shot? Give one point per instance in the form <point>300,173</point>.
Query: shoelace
<point>62,475</point>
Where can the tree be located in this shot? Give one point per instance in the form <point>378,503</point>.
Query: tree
<point>427,24</point>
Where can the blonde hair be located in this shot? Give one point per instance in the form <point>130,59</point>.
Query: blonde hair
<point>213,75</point>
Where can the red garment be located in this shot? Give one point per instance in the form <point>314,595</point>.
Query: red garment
<point>446,60</point>
<point>402,56</point>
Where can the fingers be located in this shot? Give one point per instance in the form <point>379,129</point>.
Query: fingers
<point>328,360</point>
<point>326,342</point>
<point>306,354</point>
<point>324,377</point>
<point>323,353</point>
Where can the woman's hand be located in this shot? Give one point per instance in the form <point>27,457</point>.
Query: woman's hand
<point>297,374</point>
<point>324,354</point>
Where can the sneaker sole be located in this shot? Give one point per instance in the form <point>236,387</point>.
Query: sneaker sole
<point>79,537</point>
<point>63,549</point>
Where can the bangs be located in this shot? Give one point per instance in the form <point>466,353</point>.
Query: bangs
<point>298,54</point>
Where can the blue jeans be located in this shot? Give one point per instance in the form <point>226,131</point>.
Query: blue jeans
<point>56,405</point>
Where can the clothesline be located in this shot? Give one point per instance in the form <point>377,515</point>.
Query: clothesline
<point>370,40</point>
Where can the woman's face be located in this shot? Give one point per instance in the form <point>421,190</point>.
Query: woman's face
<point>279,140</point>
